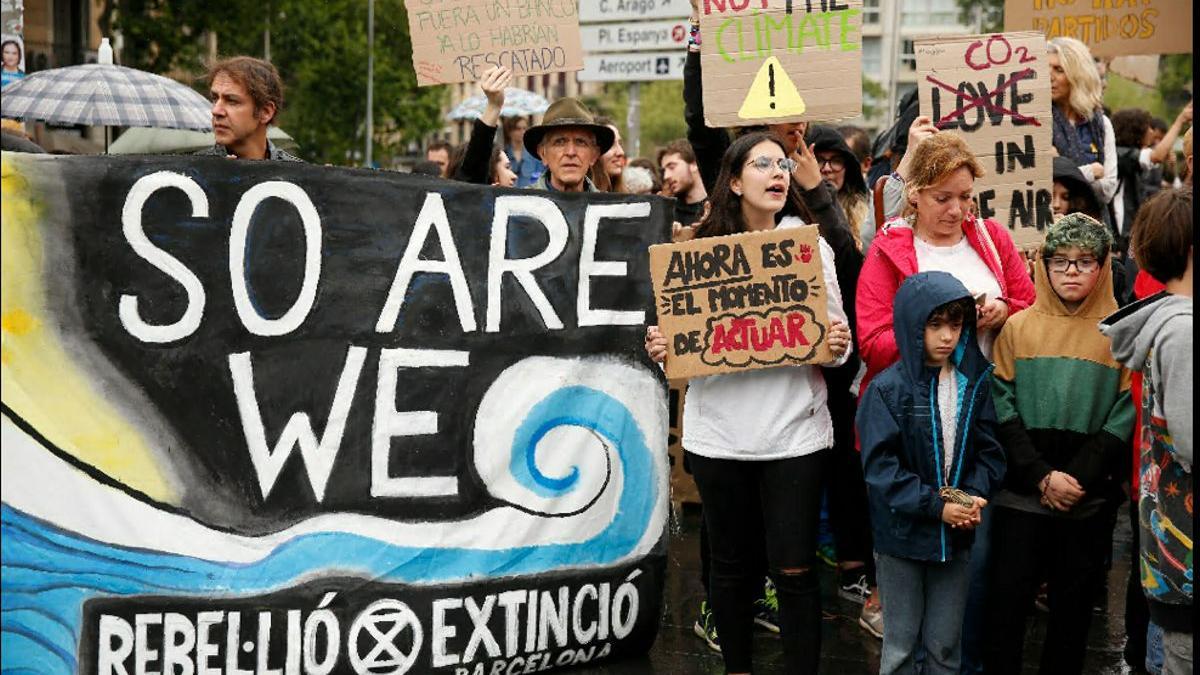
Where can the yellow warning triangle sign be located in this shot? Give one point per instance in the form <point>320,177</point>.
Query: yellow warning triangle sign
<point>772,94</point>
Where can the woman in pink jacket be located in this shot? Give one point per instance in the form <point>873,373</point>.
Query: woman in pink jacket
<point>939,231</point>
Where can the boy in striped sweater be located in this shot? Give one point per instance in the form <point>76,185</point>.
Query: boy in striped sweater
<point>1065,417</point>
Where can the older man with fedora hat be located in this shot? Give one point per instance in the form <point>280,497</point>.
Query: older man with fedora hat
<point>568,142</point>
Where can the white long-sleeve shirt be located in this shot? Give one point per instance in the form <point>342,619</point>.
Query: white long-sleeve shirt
<point>773,413</point>
<point>1105,187</point>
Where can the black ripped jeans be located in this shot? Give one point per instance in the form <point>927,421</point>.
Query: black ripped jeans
<point>786,495</point>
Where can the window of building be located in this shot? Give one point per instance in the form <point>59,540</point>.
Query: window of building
<point>908,55</point>
<point>872,56</point>
<point>870,12</point>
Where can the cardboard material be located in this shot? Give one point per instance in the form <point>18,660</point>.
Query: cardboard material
<point>772,61</point>
<point>994,90</point>
<point>1108,27</point>
<point>1140,69</point>
<point>683,486</point>
<point>741,302</point>
<point>457,40</point>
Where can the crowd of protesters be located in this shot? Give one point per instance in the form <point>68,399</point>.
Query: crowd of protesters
<point>989,411</point>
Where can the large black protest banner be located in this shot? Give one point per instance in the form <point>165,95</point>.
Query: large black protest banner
<point>277,419</point>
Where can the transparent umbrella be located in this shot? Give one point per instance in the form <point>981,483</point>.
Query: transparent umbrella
<point>517,102</point>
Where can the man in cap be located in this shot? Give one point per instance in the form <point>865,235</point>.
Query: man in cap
<point>246,95</point>
<point>568,142</point>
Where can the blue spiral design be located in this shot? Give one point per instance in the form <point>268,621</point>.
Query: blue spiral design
<point>48,573</point>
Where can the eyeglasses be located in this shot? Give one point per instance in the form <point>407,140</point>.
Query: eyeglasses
<point>1084,265</point>
<point>764,163</point>
<point>835,163</point>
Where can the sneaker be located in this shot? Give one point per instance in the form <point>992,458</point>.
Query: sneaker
<point>871,617</point>
<point>766,609</point>
<point>706,629</point>
<point>1042,601</point>
<point>853,587</point>
<point>827,554</point>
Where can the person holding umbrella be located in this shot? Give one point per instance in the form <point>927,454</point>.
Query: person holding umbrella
<point>246,95</point>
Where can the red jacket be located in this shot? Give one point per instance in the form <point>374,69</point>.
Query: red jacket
<point>1144,286</point>
<point>892,258</point>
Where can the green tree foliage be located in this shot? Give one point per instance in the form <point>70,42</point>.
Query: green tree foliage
<point>989,12</point>
<point>320,49</point>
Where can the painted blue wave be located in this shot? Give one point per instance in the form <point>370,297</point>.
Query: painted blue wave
<point>46,573</point>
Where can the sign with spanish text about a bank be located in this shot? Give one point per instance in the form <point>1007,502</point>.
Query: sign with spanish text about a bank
<point>1108,27</point>
<point>741,302</point>
<point>592,11</point>
<point>635,36</point>
<point>770,61</point>
<point>994,90</point>
<point>639,67</point>
<point>457,40</point>
<point>276,418</point>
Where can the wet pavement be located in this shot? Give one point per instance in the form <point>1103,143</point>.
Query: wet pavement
<point>846,648</point>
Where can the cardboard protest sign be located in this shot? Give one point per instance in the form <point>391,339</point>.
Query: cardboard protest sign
<point>1108,27</point>
<point>741,302</point>
<point>259,414</point>
<point>683,486</point>
<point>767,61</point>
<point>457,40</point>
<point>994,90</point>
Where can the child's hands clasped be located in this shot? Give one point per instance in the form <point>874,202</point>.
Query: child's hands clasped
<point>1060,491</point>
<point>964,517</point>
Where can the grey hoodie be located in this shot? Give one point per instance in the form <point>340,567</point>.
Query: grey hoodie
<point>1162,326</point>
<point>1154,336</point>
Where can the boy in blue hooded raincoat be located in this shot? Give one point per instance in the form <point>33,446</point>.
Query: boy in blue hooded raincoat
<point>931,459</point>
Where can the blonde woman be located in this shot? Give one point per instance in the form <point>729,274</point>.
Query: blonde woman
<point>1082,132</point>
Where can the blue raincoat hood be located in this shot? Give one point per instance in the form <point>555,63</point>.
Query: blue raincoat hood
<point>916,299</point>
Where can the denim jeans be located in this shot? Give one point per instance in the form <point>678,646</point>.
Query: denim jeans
<point>1177,653</point>
<point>973,635</point>
<point>923,605</point>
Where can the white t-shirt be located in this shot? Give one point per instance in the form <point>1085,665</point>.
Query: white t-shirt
<point>948,410</point>
<point>1118,201</point>
<point>965,264</point>
<point>773,413</point>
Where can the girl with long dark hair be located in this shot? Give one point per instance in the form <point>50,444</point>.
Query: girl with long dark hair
<point>756,440</point>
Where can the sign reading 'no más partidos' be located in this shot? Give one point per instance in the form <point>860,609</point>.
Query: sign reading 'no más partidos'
<point>317,420</point>
<point>768,61</point>
<point>741,302</point>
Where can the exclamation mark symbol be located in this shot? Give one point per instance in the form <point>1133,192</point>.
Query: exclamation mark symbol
<point>771,83</point>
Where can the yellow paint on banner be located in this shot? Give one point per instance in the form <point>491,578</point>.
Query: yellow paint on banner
<point>772,94</point>
<point>41,382</point>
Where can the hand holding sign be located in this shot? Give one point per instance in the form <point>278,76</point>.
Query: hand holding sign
<point>495,80</point>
